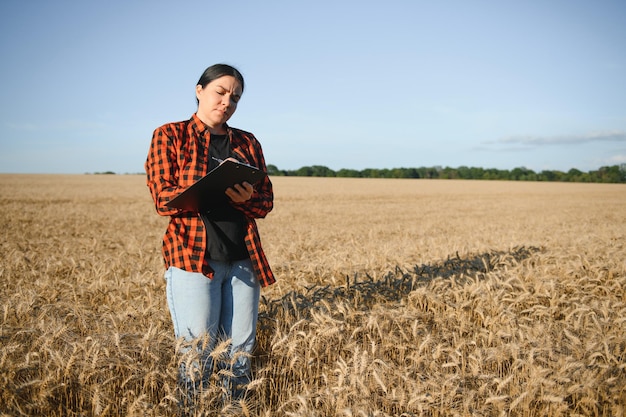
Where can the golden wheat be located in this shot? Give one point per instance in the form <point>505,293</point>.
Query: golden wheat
<point>395,298</point>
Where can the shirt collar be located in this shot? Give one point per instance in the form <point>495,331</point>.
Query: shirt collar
<point>200,128</point>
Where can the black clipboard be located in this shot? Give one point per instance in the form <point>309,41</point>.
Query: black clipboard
<point>197,196</point>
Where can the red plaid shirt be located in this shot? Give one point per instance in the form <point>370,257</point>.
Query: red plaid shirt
<point>178,157</point>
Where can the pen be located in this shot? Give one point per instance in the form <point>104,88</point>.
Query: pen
<point>219,161</point>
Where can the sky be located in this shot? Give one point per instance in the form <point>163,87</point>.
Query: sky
<point>344,84</point>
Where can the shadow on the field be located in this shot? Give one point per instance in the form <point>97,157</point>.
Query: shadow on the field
<point>395,285</point>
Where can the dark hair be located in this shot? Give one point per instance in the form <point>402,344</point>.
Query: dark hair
<point>220,70</point>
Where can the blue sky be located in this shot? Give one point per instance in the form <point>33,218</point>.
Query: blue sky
<point>345,84</point>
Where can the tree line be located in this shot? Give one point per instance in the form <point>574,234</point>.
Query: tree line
<point>606,174</point>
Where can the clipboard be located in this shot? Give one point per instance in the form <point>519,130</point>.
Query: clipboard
<point>198,195</point>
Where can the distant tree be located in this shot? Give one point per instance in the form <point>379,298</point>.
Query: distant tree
<point>614,174</point>
<point>430,173</point>
<point>411,173</point>
<point>370,173</point>
<point>490,174</point>
<point>551,176</point>
<point>305,171</point>
<point>397,173</point>
<point>322,171</point>
<point>476,173</point>
<point>464,173</point>
<point>522,174</point>
<point>274,171</point>
<point>449,173</point>
<point>573,175</point>
<point>353,173</point>
<point>384,173</point>
<point>611,174</point>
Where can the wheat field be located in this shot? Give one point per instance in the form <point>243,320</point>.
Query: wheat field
<point>395,298</point>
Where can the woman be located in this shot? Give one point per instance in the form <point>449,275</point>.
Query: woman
<point>215,265</point>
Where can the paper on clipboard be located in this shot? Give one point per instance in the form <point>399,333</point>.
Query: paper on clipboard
<point>198,196</point>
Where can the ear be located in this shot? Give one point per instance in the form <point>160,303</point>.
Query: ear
<point>198,91</point>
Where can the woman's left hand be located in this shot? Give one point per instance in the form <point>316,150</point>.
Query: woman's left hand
<point>240,192</point>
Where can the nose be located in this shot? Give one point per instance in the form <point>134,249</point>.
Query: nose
<point>229,100</point>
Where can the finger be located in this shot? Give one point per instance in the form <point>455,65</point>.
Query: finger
<point>244,188</point>
<point>238,193</point>
<point>248,187</point>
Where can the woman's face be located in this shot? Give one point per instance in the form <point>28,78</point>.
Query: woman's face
<point>217,101</point>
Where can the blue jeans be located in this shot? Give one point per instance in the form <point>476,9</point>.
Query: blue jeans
<point>223,308</point>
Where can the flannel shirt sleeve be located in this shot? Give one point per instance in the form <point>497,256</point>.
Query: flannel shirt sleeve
<point>162,170</point>
<point>262,200</point>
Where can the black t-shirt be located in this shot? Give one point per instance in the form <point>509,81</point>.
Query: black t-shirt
<point>225,225</point>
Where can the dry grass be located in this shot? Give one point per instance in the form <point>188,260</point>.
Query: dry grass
<point>395,298</point>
